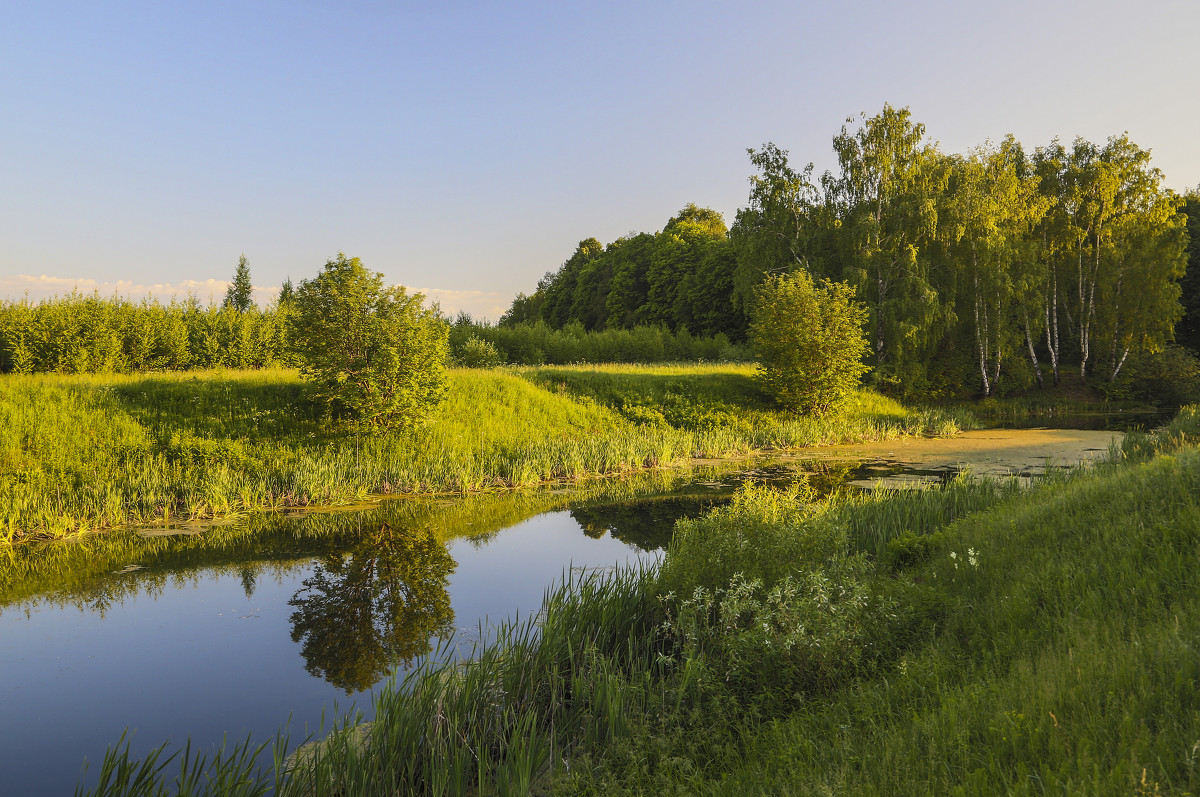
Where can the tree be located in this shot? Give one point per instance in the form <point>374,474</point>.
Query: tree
<point>773,234</point>
<point>1053,240</point>
<point>886,200</point>
<point>373,352</point>
<point>1187,331</point>
<point>809,341</point>
<point>675,255</point>
<point>992,204</point>
<point>1130,250</point>
<point>238,297</point>
<point>559,287</point>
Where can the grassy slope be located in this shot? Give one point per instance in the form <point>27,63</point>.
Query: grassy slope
<point>1064,662</point>
<point>80,452</point>
<point>1068,663</point>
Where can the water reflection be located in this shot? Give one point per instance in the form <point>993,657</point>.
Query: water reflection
<point>148,631</point>
<point>381,604</point>
<point>646,524</point>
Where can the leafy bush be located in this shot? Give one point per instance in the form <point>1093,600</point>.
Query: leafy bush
<point>807,633</point>
<point>809,342</point>
<point>478,353</point>
<point>537,343</point>
<point>1170,377</point>
<point>764,534</point>
<point>373,352</point>
<point>81,333</point>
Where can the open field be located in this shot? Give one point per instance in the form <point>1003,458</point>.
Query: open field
<point>93,451</point>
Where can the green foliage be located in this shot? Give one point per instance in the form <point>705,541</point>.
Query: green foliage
<point>810,632</point>
<point>1169,377</point>
<point>679,278</point>
<point>984,269</point>
<point>199,445</point>
<point>373,352</point>
<point>538,343</point>
<point>478,353</point>
<point>239,296</point>
<point>1187,330</point>
<point>764,534</point>
<point>809,342</point>
<point>79,333</point>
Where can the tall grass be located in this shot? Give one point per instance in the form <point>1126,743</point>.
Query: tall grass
<point>83,452</point>
<point>75,571</point>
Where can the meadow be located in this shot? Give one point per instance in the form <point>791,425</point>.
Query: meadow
<point>83,451</point>
<point>971,639</point>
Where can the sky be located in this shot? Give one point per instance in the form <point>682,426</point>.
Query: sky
<point>464,148</point>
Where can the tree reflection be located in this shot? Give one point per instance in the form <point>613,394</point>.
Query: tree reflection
<point>646,524</point>
<point>364,612</point>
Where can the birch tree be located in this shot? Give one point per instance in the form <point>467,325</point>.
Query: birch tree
<point>993,203</point>
<point>886,197</point>
<point>772,235</point>
<point>1129,250</point>
<point>1138,295</point>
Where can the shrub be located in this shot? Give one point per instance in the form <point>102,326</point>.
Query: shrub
<point>372,352</point>
<point>809,342</point>
<point>1170,377</point>
<point>478,353</point>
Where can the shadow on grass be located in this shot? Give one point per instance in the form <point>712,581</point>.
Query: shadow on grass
<point>218,408</point>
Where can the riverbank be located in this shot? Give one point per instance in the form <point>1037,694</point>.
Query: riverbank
<point>89,452</point>
<point>967,639</point>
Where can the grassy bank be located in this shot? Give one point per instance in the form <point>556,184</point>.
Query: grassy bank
<point>82,452</point>
<point>972,640</point>
<point>75,572</point>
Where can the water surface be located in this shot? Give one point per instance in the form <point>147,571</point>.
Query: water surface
<point>234,630</point>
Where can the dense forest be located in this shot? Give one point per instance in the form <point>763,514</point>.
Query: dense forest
<point>998,268</point>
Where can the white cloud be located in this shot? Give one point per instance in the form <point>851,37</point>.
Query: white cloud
<point>45,287</point>
<point>481,305</point>
<point>488,305</point>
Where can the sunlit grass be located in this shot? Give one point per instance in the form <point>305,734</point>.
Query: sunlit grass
<point>95,451</point>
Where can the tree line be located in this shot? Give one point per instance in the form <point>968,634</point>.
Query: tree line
<point>998,268</point>
<point>88,333</point>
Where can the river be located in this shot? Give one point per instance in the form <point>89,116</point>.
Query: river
<point>240,628</point>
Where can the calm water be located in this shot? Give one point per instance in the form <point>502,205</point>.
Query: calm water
<point>236,629</point>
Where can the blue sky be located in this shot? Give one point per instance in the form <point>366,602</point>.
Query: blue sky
<point>465,148</point>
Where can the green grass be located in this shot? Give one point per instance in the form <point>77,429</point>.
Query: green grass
<point>84,452</point>
<point>1039,641</point>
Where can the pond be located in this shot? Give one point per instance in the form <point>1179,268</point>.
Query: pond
<point>202,632</point>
